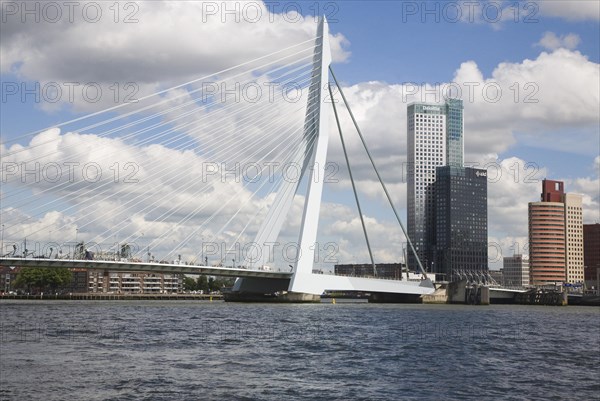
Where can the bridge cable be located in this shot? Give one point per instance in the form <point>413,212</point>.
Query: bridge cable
<point>151,206</point>
<point>159,92</point>
<point>362,220</point>
<point>280,168</point>
<point>378,175</point>
<point>197,209</point>
<point>163,112</point>
<point>109,180</point>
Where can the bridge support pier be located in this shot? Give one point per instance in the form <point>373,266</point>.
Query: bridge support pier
<point>391,298</point>
<point>271,297</point>
<point>485,295</point>
<point>300,297</point>
<point>250,289</point>
<point>457,292</point>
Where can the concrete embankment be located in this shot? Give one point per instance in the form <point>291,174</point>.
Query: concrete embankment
<point>459,293</point>
<point>542,297</point>
<point>115,297</point>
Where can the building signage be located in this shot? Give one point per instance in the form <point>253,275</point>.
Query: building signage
<point>481,173</point>
<point>431,108</point>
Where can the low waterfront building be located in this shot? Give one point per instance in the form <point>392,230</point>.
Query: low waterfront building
<point>515,271</point>
<point>497,275</point>
<point>392,271</point>
<point>384,270</point>
<point>8,275</point>
<point>79,282</point>
<point>134,282</point>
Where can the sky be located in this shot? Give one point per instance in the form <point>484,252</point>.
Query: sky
<point>528,73</point>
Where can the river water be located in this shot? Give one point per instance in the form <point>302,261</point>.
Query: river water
<point>190,350</point>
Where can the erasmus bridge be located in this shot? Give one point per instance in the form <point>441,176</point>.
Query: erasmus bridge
<point>307,65</point>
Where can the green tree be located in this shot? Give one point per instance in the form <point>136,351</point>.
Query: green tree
<point>189,284</point>
<point>43,278</point>
<point>57,277</point>
<point>217,283</point>
<point>30,277</point>
<point>202,283</point>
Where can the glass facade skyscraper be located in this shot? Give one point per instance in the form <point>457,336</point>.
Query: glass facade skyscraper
<point>435,139</point>
<point>454,132</point>
<point>459,233</point>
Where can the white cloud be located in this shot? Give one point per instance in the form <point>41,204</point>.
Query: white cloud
<point>512,184</point>
<point>571,10</point>
<point>531,98</point>
<point>116,193</point>
<point>341,225</point>
<point>551,41</point>
<point>171,43</point>
<point>501,247</point>
<point>589,188</point>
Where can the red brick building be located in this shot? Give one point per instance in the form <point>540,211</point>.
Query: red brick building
<point>8,275</point>
<point>553,191</point>
<point>591,253</point>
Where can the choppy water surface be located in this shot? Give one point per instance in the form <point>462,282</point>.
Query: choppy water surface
<point>199,350</point>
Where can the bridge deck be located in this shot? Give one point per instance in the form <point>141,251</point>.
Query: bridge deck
<point>326,281</point>
<point>143,267</point>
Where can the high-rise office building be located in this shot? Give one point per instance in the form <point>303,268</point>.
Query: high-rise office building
<point>591,255</point>
<point>556,236</point>
<point>435,138</point>
<point>515,271</point>
<point>460,231</point>
<point>454,132</point>
<point>573,238</point>
<point>546,242</point>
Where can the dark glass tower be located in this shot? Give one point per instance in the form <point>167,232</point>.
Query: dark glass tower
<point>459,241</point>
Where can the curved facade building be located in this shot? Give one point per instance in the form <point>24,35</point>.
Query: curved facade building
<point>546,242</point>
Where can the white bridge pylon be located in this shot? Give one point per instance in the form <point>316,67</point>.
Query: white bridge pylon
<point>313,160</point>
